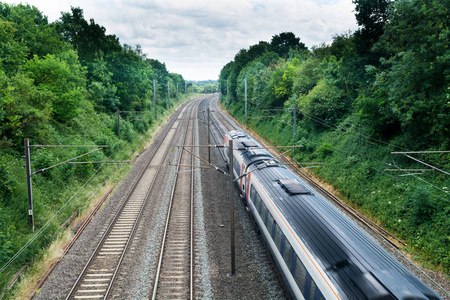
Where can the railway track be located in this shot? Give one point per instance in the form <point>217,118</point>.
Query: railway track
<point>100,271</point>
<point>228,125</point>
<point>124,263</point>
<point>175,272</point>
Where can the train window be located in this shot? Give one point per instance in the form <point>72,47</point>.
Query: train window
<point>258,207</point>
<point>277,236</point>
<point>312,290</point>
<point>255,198</point>
<point>253,195</point>
<point>237,168</point>
<point>300,275</point>
<point>287,253</point>
<point>269,224</point>
<point>263,212</point>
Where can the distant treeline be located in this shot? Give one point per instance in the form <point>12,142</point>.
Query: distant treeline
<point>202,82</point>
<point>383,88</point>
<point>202,86</point>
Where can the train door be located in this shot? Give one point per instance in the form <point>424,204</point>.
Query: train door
<point>242,180</point>
<point>246,187</point>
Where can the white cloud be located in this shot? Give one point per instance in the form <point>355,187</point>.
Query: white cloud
<point>196,38</point>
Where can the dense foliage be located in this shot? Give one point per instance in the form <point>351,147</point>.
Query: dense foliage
<point>203,86</point>
<point>382,89</point>
<point>62,83</point>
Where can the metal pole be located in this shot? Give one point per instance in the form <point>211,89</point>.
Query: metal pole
<point>168,93</point>
<point>154,95</point>
<point>29,187</point>
<point>209,138</point>
<point>295,121</point>
<point>118,125</point>
<point>245,100</point>
<point>233,256</point>
<point>185,91</point>
<point>177,91</point>
<point>227,94</point>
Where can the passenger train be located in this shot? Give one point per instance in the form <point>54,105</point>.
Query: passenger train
<point>320,253</point>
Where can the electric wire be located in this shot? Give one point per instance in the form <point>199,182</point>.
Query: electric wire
<point>391,176</point>
<point>49,222</point>
<point>326,123</point>
<point>330,125</point>
<point>414,175</point>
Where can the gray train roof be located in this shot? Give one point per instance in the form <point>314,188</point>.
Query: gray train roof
<point>346,253</point>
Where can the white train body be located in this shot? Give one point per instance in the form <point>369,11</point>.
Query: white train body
<point>320,253</point>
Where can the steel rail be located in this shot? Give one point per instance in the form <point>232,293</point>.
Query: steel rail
<point>218,130</point>
<point>191,267</point>
<point>166,227</point>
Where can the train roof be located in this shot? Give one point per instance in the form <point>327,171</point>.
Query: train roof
<point>358,266</point>
<point>249,149</point>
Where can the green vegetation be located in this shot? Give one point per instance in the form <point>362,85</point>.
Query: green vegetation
<point>62,83</point>
<point>382,89</point>
<point>204,86</point>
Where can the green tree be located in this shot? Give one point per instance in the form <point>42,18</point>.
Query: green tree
<point>412,89</point>
<point>371,16</point>
<point>12,53</point>
<point>32,29</point>
<point>283,42</point>
<point>61,80</point>
<point>87,38</point>
<point>101,87</point>
<point>257,75</point>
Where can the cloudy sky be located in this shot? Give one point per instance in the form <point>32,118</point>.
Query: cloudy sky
<point>196,38</point>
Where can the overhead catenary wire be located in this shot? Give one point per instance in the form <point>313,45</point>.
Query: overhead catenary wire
<point>327,123</point>
<point>51,167</point>
<point>206,162</point>
<point>394,177</point>
<point>69,146</point>
<point>372,141</point>
<point>330,125</point>
<point>428,165</point>
<point>137,118</point>
<point>48,223</point>
<point>421,179</point>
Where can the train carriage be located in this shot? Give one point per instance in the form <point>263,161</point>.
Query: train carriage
<point>320,253</point>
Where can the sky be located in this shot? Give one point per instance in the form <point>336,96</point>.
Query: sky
<point>196,38</point>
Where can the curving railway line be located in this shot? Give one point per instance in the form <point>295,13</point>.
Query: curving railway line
<point>174,277</point>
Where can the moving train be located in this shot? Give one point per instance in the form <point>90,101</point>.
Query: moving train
<point>320,253</point>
